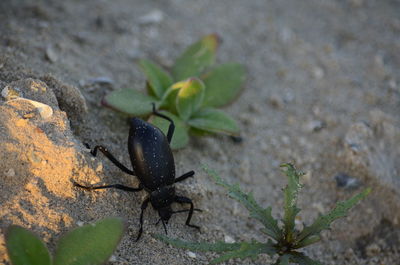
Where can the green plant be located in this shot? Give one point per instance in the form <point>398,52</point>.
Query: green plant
<point>90,244</point>
<point>286,239</point>
<point>189,95</point>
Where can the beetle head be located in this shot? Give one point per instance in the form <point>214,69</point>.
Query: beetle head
<point>165,213</point>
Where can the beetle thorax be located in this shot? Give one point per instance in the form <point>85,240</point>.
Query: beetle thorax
<point>162,196</point>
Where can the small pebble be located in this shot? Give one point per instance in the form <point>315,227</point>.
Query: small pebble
<point>372,250</point>
<point>286,35</point>
<point>10,173</point>
<point>315,125</point>
<point>51,54</point>
<point>113,258</point>
<point>307,176</point>
<point>153,17</point>
<point>345,181</point>
<point>44,110</point>
<point>244,169</point>
<point>358,136</point>
<point>317,72</point>
<point>9,93</point>
<point>298,223</point>
<point>349,253</point>
<point>29,115</point>
<point>191,254</point>
<point>288,97</point>
<point>316,110</point>
<point>80,223</point>
<point>37,86</point>
<point>236,208</point>
<point>229,239</point>
<point>34,158</point>
<point>255,108</point>
<point>102,80</point>
<point>319,206</point>
<point>99,167</point>
<point>276,102</point>
<point>285,139</point>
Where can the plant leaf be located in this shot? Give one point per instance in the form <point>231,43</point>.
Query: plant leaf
<point>308,241</point>
<point>214,121</point>
<point>291,192</point>
<point>129,101</point>
<point>223,84</point>
<point>302,259</point>
<point>90,244</point>
<point>181,137</point>
<point>189,98</point>
<point>158,79</point>
<point>248,201</point>
<point>283,260</point>
<point>324,221</point>
<point>235,250</point>
<point>196,58</point>
<point>25,248</point>
<point>247,250</point>
<point>201,246</point>
<point>168,100</point>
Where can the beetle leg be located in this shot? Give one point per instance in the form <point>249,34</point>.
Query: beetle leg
<point>111,157</point>
<point>181,199</point>
<point>116,186</point>
<point>185,176</point>
<point>143,207</point>
<point>171,127</point>
<point>187,210</point>
<point>165,227</point>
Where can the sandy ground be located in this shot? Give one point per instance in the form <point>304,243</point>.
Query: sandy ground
<point>323,92</point>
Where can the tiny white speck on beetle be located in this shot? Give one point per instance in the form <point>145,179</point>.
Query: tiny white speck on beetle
<point>191,254</point>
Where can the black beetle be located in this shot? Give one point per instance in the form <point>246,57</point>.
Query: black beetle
<point>153,163</point>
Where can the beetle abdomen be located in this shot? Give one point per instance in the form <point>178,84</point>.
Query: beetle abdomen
<point>151,155</point>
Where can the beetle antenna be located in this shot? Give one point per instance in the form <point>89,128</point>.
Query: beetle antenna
<point>165,227</point>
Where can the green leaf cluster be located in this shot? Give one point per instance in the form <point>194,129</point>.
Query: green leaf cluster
<point>190,94</point>
<point>90,244</point>
<point>284,239</point>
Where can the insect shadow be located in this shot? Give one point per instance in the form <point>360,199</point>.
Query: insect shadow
<point>153,164</point>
